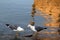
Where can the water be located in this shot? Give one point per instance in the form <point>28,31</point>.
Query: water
<point>17,12</point>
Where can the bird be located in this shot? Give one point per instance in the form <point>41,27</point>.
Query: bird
<point>35,28</point>
<point>14,27</point>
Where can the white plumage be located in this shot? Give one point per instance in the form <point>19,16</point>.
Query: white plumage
<point>19,29</point>
<point>32,27</point>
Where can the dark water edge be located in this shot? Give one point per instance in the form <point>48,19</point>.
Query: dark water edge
<point>40,37</point>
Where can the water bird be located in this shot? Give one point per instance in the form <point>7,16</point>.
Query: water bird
<point>14,27</point>
<point>36,28</point>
